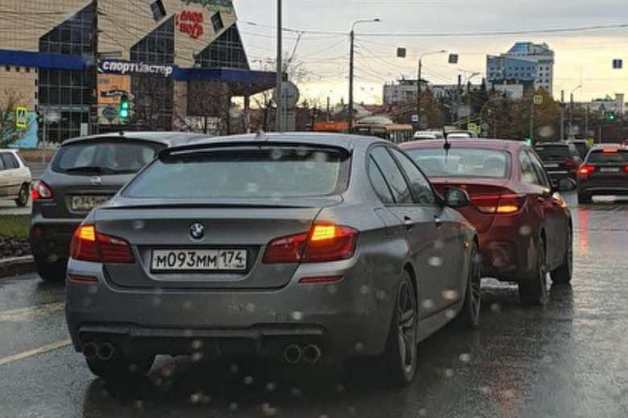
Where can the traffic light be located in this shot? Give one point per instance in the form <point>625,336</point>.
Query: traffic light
<point>123,110</point>
<point>611,116</point>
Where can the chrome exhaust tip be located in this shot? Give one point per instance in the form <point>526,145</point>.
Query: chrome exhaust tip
<point>106,351</point>
<point>90,350</point>
<point>312,354</point>
<point>292,354</point>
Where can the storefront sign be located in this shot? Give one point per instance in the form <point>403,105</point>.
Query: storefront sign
<point>191,23</point>
<point>210,3</point>
<point>126,67</point>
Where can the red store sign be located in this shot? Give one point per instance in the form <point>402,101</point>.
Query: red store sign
<point>191,23</point>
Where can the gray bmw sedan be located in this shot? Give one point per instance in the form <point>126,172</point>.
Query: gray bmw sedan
<point>298,247</point>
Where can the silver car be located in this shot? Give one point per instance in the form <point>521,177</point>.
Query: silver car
<point>300,247</point>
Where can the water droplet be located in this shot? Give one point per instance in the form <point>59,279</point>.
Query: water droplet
<point>252,187</point>
<point>449,373</point>
<point>323,416</point>
<point>268,410</point>
<point>525,230</point>
<point>92,289</point>
<point>296,315</point>
<point>276,154</point>
<point>187,333</point>
<point>233,406</point>
<point>250,307</point>
<point>485,390</point>
<point>495,307</point>
<point>138,404</point>
<point>352,410</point>
<point>380,294</point>
<point>296,392</point>
<point>449,294</point>
<point>197,356</point>
<point>428,304</point>
<point>187,305</point>
<point>435,261</point>
<point>359,347</point>
<point>365,290</point>
<point>137,225</point>
<point>233,368</point>
<point>195,398</point>
<point>465,357</point>
<point>248,380</point>
<point>422,412</point>
<point>197,344</point>
<point>340,388</point>
<point>508,394</point>
<point>450,314</point>
<point>156,300</point>
<point>439,244</point>
<point>547,359</point>
<point>271,386</point>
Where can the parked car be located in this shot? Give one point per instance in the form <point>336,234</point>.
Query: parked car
<point>429,135</point>
<point>605,171</point>
<point>15,177</point>
<point>582,147</point>
<point>307,248</point>
<point>561,161</point>
<point>84,173</point>
<point>525,228</point>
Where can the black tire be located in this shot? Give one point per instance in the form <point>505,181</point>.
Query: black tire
<point>584,199</point>
<point>51,272</point>
<point>469,315</point>
<point>562,275</point>
<point>23,196</point>
<point>533,289</point>
<point>120,368</point>
<point>400,358</point>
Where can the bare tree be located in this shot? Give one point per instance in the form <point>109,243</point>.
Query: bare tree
<point>152,102</point>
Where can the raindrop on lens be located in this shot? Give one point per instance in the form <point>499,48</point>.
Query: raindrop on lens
<point>187,305</point>
<point>450,314</point>
<point>495,307</point>
<point>435,261</point>
<point>233,406</point>
<point>196,357</point>
<point>450,294</point>
<point>485,390</point>
<point>268,410</point>
<point>296,392</point>
<point>332,289</point>
<point>197,344</point>
<point>138,404</point>
<point>422,412</point>
<point>271,386</point>
<point>439,245</point>
<point>195,398</point>
<point>380,295</point>
<point>449,373</point>
<point>137,225</point>
<point>250,307</point>
<point>465,357</point>
<point>428,304</point>
<point>365,290</point>
<point>233,368</point>
<point>525,230</point>
<point>359,347</point>
<point>296,315</point>
<point>248,380</point>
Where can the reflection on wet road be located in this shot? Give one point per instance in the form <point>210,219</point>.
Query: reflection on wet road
<point>567,359</point>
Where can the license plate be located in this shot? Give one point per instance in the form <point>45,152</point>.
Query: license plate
<point>87,203</point>
<point>551,165</point>
<point>609,170</point>
<point>198,260</point>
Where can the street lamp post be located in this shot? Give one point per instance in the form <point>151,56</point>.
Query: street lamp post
<point>351,66</point>
<point>279,75</point>
<point>469,96</point>
<point>418,85</point>
<point>571,109</point>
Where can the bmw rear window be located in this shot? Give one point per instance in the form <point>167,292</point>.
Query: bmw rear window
<point>614,157</point>
<point>104,157</point>
<point>244,172</point>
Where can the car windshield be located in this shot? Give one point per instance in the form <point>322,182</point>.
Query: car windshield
<point>608,157</point>
<point>271,172</point>
<point>104,157</point>
<point>553,152</point>
<point>462,162</point>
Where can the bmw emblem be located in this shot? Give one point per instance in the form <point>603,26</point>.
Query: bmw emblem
<point>197,231</point>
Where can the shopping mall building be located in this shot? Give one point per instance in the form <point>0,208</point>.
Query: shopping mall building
<point>69,62</point>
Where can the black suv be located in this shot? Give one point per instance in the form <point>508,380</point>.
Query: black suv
<point>605,171</point>
<point>561,161</point>
<point>84,173</point>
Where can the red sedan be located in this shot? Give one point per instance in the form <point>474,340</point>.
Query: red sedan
<point>525,229</point>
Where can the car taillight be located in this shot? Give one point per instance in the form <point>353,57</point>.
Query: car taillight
<point>91,245</point>
<point>323,243</point>
<point>586,170</point>
<point>41,191</point>
<point>498,203</point>
<point>626,169</point>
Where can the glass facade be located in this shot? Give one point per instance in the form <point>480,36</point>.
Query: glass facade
<point>226,51</point>
<point>62,91</point>
<point>153,94</point>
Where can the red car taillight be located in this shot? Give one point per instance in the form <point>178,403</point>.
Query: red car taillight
<point>323,243</point>
<point>498,203</point>
<point>41,191</point>
<point>586,170</point>
<point>91,245</point>
<point>626,169</point>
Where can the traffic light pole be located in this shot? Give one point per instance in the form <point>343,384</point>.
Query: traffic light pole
<point>532,111</point>
<point>279,75</point>
<point>351,75</point>
<point>419,95</point>
<point>93,76</point>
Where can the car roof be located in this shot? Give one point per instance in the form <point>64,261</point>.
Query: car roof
<point>551,144</point>
<point>167,138</point>
<point>345,141</point>
<point>478,143</point>
<point>613,146</point>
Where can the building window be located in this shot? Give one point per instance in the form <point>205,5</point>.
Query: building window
<point>27,69</point>
<point>17,69</point>
<point>217,22</point>
<point>158,9</point>
<point>226,51</point>
<point>7,68</point>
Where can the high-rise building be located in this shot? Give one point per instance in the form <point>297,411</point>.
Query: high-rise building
<point>526,63</point>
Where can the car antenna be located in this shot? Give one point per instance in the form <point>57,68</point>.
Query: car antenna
<point>446,145</point>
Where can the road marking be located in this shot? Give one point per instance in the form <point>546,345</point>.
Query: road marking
<point>30,353</point>
<point>31,313</point>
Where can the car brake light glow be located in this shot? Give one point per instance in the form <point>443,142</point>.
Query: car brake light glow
<point>610,150</point>
<point>323,243</point>
<point>626,169</point>
<point>586,170</point>
<point>41,191</point>
<point>498,203</point>
<point>90,245</point>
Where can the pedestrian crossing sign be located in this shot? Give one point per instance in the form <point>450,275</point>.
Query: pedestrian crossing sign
<point>21,117</point>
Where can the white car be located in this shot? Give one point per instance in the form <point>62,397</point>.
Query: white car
<point>15,177</point>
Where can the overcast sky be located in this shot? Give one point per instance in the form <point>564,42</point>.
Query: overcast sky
<point>581,58</point>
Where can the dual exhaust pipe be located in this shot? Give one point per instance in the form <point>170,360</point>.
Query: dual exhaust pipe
<point>294,354</point>
<point>102,351</point>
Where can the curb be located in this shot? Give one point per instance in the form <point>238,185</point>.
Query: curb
<point>18,265</point>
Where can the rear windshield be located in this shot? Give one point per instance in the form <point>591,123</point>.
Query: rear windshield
<point>273,172</point>
<point>462,162</point>
<point>600,157</point>
<point>553,152</point>
<point>110,157</point>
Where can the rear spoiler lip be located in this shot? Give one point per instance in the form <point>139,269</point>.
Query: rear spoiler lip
<point>190,149</point>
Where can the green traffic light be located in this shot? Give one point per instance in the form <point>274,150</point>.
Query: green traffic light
<point>123,111</point>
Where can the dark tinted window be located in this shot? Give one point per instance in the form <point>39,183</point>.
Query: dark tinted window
<point>1,164</point>
<point>553,152</point>
<point>394,178</point>
<point>379,183</point>
<point>10,162</point>
<point>270,172</point>
<point>419,185</point>
<point>600,157</point>
<point>462,162</point>
<point>110,157</point>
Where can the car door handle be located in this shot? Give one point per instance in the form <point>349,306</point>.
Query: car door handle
<point>408,222</point>
<point>438,221</point>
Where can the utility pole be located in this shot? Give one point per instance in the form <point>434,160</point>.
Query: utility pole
<point>532,111</point>
<point>562,115</point>
<point>279,82</point>
<point>586,120</point>
<point>328,108</point>
<point>570,131</point>
<point>419,95</point>
<point>92,127</point>
<point>351,75</point>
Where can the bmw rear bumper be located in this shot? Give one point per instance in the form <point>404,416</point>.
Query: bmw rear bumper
<point>349,318</point>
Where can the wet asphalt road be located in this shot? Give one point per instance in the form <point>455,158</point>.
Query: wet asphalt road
<point>567,359</point>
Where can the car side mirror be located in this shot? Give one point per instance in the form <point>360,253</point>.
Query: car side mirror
<point>456,198</point>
